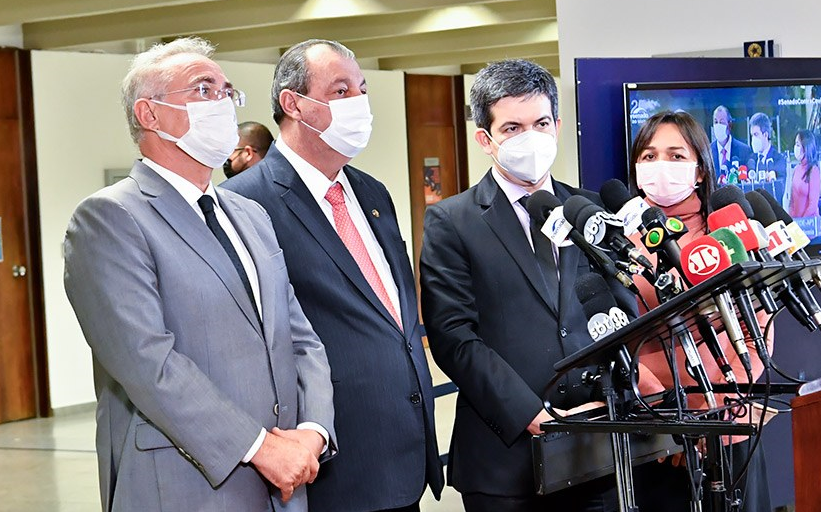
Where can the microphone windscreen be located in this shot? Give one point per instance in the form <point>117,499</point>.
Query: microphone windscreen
<point>540,204</point>
<point>732,244</point>
<point>614,194</point>
<point>703,258</point>
<point>651,214</point>
<point>573,207</point>
<point>594,294</point>
<point>780,212</point>
<point>732,217</point>
<point>728,195</point>
<point>762,211</point>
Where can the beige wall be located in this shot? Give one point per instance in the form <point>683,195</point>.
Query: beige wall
<point>81,131</point>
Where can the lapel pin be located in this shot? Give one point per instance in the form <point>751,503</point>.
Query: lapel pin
<point>375,213</point>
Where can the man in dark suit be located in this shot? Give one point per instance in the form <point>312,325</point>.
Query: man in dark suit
<point>350,270</point>
<point>767,168</point>
<point>498,314</point>
<point>728,152</point>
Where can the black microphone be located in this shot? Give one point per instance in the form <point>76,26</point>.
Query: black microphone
<point>779,243</point>
<point>710,338</point>
<point>732,211</point>
<point>603,315</point>
<point>599,227</point>
<point>661,237</point>
<point>799,238</point>
<point>542,203</point>
<point>624,205</point>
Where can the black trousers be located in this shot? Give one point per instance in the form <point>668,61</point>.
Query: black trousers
<point>595,496</point>
<point>664,488</point>
<point>409,508</point>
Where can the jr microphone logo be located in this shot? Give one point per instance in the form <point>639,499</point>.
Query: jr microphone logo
<point>704,260</point>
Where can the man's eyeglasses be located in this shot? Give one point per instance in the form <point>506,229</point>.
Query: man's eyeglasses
<point>211,93</point>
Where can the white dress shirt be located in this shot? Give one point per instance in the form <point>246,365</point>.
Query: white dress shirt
<point>514,192</point>
<point>191,193</point>
<point>318,185</point>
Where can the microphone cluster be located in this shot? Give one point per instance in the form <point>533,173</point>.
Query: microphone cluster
<point>751,227</point>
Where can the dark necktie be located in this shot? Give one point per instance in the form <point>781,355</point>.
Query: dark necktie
<point>544,254</point>
<point>206,203</point>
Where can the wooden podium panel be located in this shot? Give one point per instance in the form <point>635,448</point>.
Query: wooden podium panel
<point>806,432</point>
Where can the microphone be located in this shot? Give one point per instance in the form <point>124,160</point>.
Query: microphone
<point>731,209</point>
<point>617,199</point>
<point>702,259</point>
<point>779,242</point>
<point>599,227</point>
<point>735,251</point>
<point>603,315</point>
<point>799,238</point>
<point>660,236</point>
<point>541,204</point>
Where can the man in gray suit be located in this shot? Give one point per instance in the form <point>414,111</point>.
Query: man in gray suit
<point>211,382</point>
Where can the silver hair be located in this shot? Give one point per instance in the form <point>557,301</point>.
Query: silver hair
<point>292,71</point>
<point>147,78</point>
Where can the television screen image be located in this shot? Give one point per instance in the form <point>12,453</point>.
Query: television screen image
<point>763,134</point>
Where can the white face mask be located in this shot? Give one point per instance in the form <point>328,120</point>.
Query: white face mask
<point>212,131</point>
<point>757,144</point>
<point>720,131</point>
<point>350,127</point>
<point>527,156</point>
<point>666,183</point>
<point>798,152</point>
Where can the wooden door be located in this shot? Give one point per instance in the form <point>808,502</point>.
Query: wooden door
<point>437,150</point>
<point>20,287</point>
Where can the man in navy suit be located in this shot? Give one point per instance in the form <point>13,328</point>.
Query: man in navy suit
<point>728,152</point>
<point>350,271</point>
<point>499,304</point>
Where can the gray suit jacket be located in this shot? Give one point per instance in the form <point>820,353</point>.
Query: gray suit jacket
<point>185,374</point>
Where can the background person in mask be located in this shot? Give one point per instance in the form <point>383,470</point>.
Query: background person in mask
<point>727,151</point>
<point>499,303</point>
<point>350,271</point>
<point>672,168</point>
<point>254,141</point>
<point>210,381</point>
<point>806,178</point>
<point>767,167</point>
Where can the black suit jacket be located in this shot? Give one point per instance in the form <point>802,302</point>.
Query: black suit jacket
<point>493,331</point>
<point>739,152</point>
<point>382,385</point>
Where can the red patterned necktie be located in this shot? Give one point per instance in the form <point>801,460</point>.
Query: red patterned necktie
<point>353,241</point>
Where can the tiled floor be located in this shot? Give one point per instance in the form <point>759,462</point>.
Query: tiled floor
<point>49,465</point>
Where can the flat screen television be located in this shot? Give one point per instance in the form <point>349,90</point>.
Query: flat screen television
<point>751,160</point>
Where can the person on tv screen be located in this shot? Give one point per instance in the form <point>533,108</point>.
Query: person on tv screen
<point>729,153</point>
<point>767,163</point>
<point>806,178</point>
<point>671,168</point>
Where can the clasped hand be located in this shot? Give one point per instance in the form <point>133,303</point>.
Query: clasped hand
<point>289,458</point>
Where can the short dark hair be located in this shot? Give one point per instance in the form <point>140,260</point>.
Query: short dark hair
<point>256,135</point>
<point>292,71</point>
<point>510,78</point>
<point>696,138</point>
<point>763,122</point>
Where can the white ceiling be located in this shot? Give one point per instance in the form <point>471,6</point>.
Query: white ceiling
<point>458,36</point>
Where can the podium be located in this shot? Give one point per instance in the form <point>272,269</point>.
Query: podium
<point>806,434</point>
<point>680,311</point>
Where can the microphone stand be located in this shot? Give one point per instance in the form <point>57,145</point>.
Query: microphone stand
<point>681,310</point>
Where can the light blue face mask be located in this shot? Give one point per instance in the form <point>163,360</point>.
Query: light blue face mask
<point>212,130</point>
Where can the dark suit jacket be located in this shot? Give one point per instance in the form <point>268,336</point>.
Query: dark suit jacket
<point>491,329</point>
<point>382,386</point>
<point>739,152</point>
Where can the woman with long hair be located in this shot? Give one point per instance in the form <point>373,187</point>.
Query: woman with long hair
<point>806,178</point>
